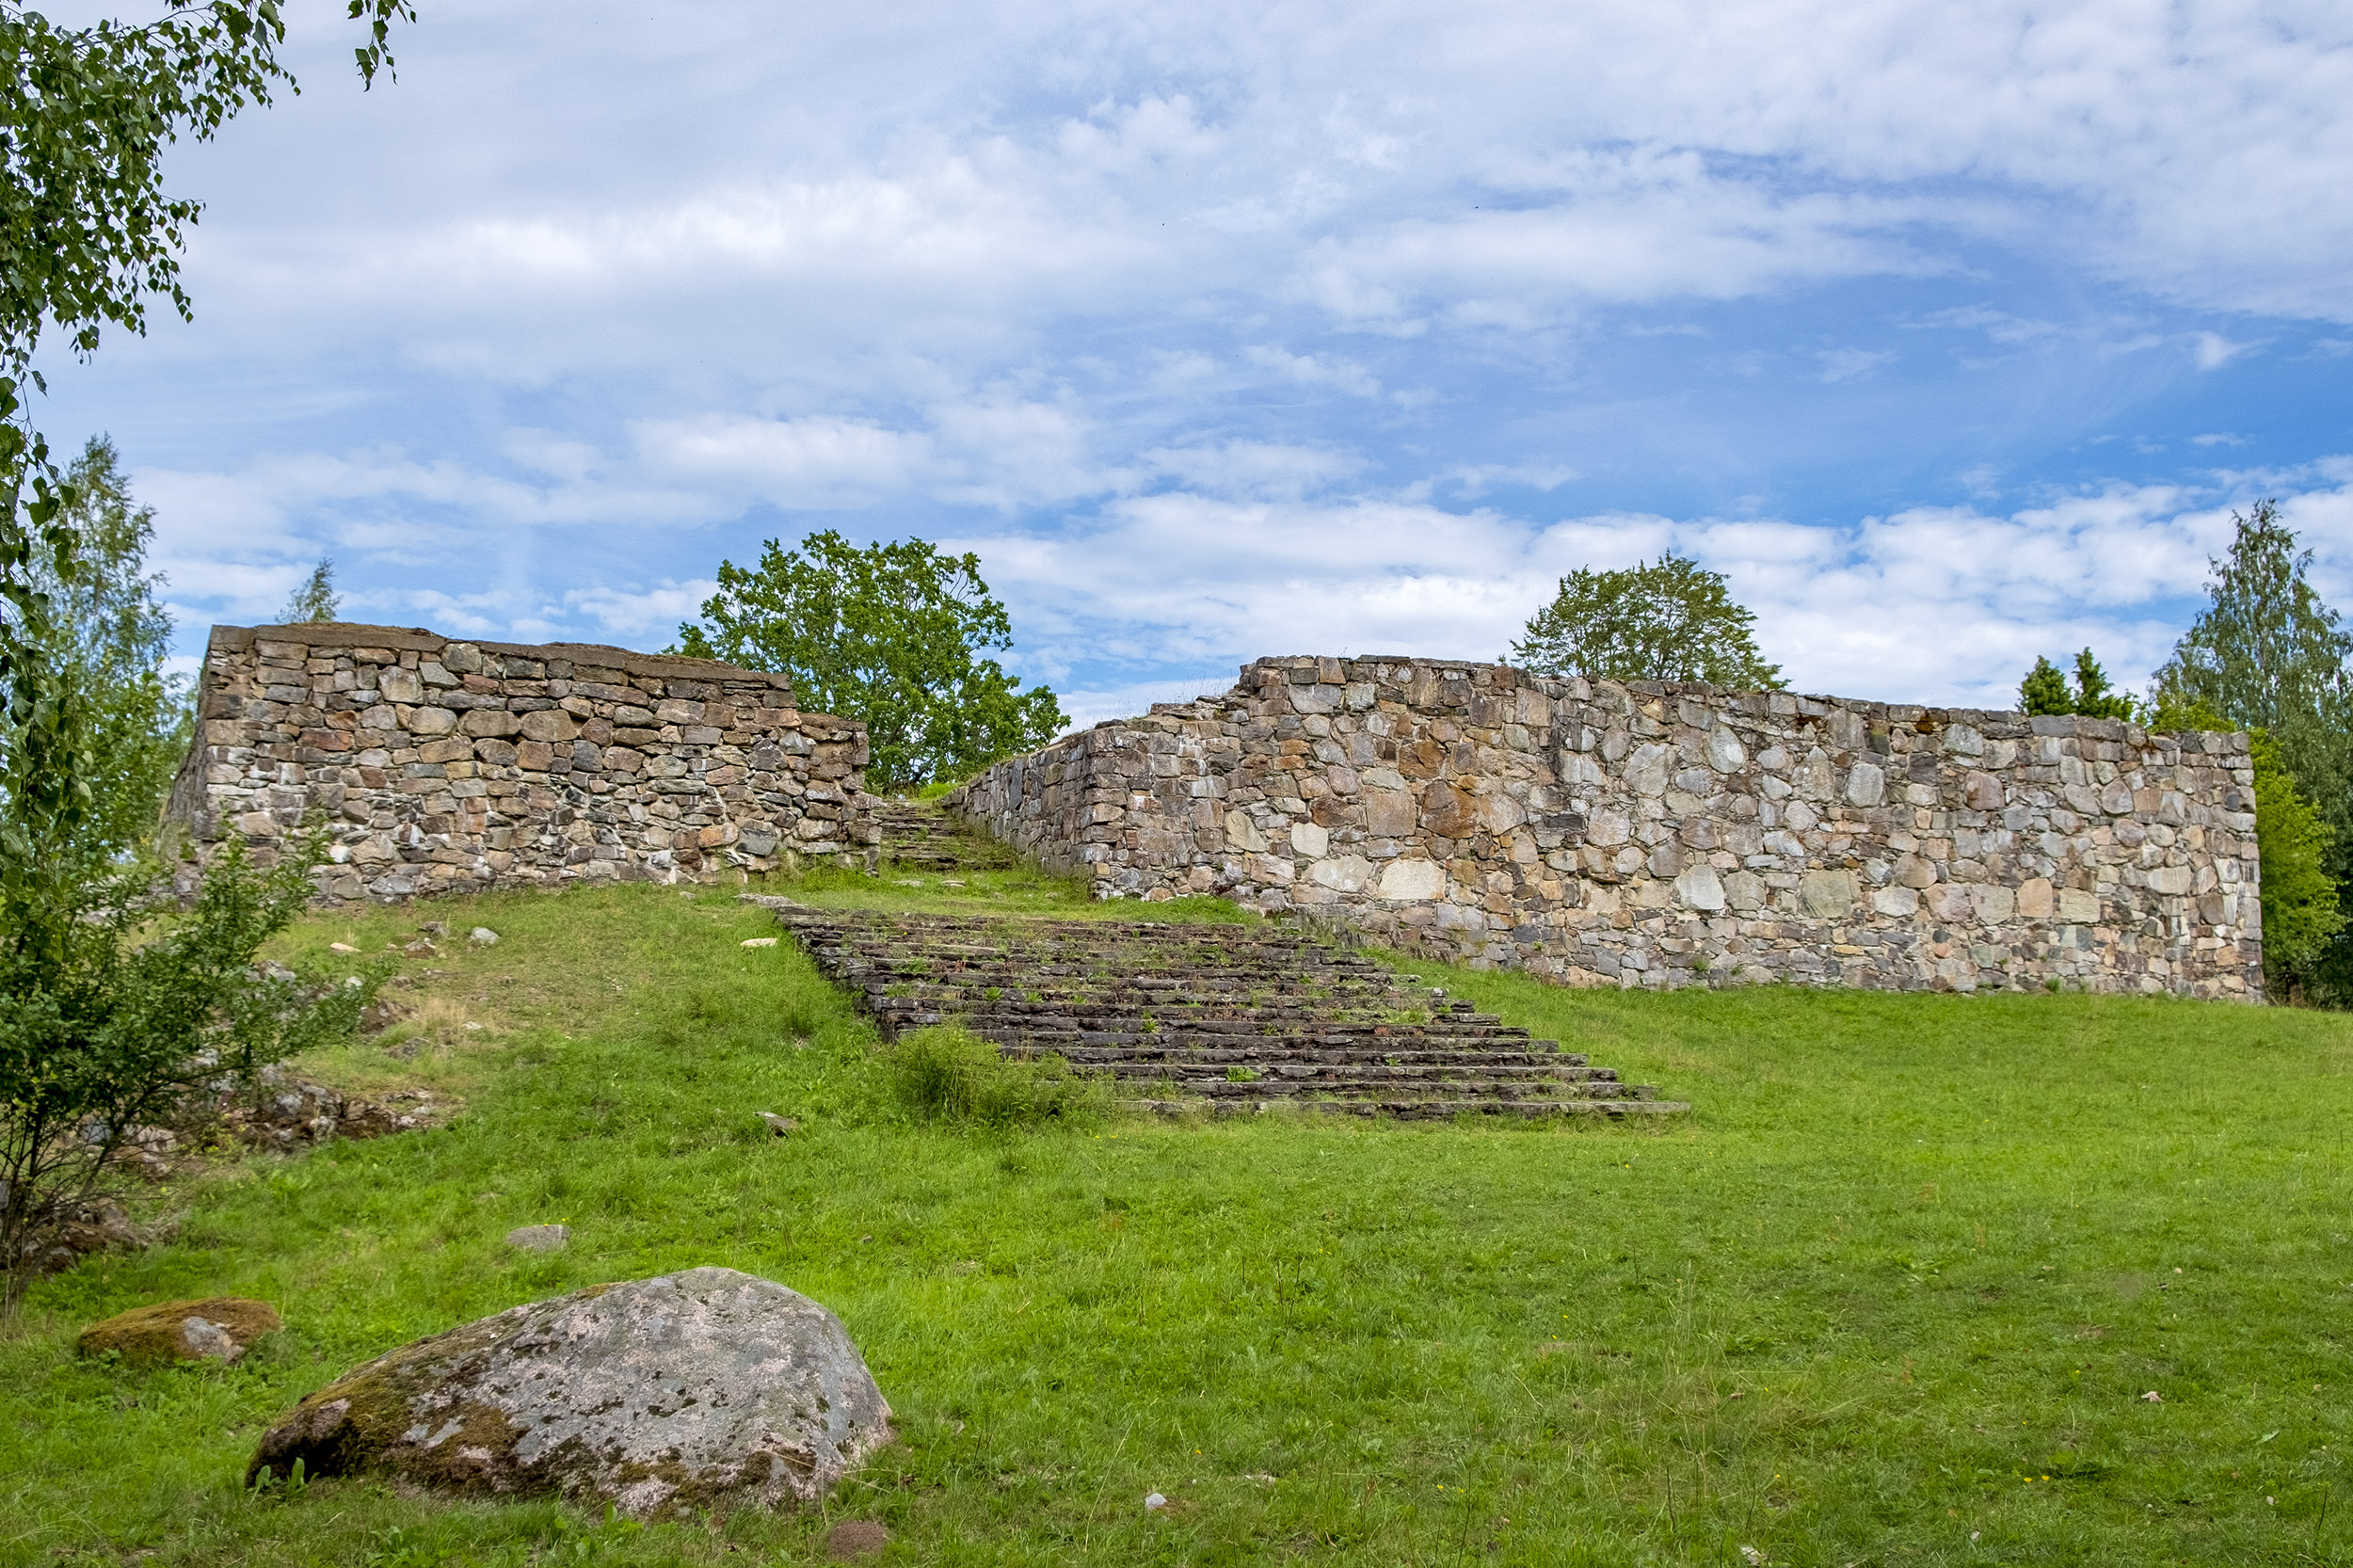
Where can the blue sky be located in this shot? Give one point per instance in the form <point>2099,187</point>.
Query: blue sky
<point>1952,334</point>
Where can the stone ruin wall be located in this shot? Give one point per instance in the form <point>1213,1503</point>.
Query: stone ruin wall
<point>449,766</point>
<point>1601,834</point>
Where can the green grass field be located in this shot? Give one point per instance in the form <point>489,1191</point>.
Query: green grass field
<point>1893,1293</point>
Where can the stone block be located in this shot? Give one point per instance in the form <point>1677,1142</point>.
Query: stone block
<point>1699,887</point>
<point>430,721</point>
<point>1342,874</point>
<point>1827,895</point>
<point>490,720</point>
<point>550,724</point>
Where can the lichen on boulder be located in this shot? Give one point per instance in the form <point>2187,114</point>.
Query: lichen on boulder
<point>220,1328</point>
<point>703,1389</point>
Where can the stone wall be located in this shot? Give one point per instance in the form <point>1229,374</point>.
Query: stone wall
<point>448,766</point>
<point>1646,834</point>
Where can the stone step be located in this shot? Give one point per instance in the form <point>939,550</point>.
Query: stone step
<point>1416,1110</point>
<point>1233,1019</point>
<point>1219,1061</point>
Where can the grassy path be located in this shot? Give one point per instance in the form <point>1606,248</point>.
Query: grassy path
<point>1892,1295</point>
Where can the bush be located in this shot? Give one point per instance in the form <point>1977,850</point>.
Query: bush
<point>946,1073</point>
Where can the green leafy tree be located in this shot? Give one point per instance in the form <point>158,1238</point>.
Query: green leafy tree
<point>891,635</point>
<point>106,636</point>
<point>2267,653</point>
<point>316,600</point>
<point>2301,913</point>
<point>2045,691</point>
<point>116,1033</point>
<point>1670,621</point>
<point>88,234</point>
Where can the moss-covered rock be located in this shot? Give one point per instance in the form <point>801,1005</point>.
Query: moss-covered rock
<point>707,1388</point>
<point>220,1328</point>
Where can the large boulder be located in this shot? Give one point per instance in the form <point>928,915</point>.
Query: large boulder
<point>219,1328</point>
<point>706,1389</point>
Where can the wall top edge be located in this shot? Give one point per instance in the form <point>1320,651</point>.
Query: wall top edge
<point>2061,725</point>
<point>418,639</point>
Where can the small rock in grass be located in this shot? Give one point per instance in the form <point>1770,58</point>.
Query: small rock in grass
<point>483,936</point>
<point>539,1238</point>
<point>2152,1396</point>
<point>422,948</point>
<point>854,1539</point>
<point>1153,1501</point>
<point>340,947</point>
<point>216,1329</point>
<point>434,928</point>
<point>757,942</point>
<point>782,1126</point>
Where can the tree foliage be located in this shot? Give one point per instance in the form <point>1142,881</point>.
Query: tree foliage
<point>88,234</point>
<point>1668,620</point>
<point>315,600</point>
<point>2267,653</point>
<point>109,1034</point>
<point>2294,842</point>
<point>106,636</point>
<point>2045,689</point>
<point>86,114</point>
<point>889,634</point>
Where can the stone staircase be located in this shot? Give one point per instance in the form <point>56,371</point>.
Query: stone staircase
<point>1240,1016</point>
<point>917,836</point>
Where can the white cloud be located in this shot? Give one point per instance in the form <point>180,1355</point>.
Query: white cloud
<point>1930,604</point>
<point>2214,351</point>
<point>1256,468</point>
<point>1842,364</point>
<point>792,463</point>
<point>1311,370</point>
<point>1189,318</point>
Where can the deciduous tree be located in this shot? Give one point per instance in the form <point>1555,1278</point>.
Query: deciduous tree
<point>2267,653</point>
<point>1671,619</point>
<point>106,636</point>
<point>91,1018</point>
<point>2301,917</point>
<point>891,635</point>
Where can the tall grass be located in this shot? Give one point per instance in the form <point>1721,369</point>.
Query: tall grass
<point>948,1074</point>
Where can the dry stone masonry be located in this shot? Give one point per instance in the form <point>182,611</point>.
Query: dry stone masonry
<point>1240,1018</point>
<point>1650,834</point>
<point>450,766</point>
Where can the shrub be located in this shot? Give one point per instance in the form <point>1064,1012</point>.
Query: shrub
<point>946,1073</point>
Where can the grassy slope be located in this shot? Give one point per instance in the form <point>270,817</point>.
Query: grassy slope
<point>1889,1296</point>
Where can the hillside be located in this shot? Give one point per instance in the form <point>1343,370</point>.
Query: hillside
<point>1893,1292</point>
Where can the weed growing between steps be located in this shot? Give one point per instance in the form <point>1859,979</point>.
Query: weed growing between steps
<point>1891,1293</point>
<point>949,1075</point>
